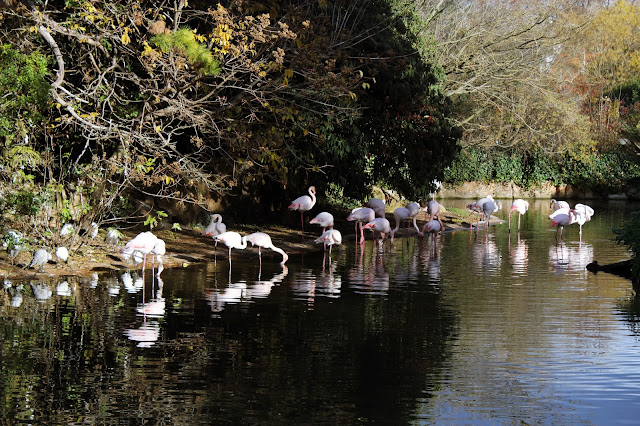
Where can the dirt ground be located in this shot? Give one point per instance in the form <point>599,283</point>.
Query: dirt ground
<point>184,247</point>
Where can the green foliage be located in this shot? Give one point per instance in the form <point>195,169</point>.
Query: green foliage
<point>629,235</point>
<point>23,202</point>
<point>153,221</point>
<point>599,172</point>
<point>184,41</point>
<point>25,91</point>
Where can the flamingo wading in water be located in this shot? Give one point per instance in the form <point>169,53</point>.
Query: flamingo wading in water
<point>329,238</point>
<point>323,219</point>
<point>521,206</point>
<point>263,240</point>
<point>561,218</point>
<point>144,243</point>
<point>232,240</point>
<point>304,204</point>
<point>361,215</point>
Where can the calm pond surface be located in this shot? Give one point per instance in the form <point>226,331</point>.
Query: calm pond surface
<point>471,328</point>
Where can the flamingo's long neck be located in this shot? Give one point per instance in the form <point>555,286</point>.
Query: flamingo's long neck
<point>313,196</point>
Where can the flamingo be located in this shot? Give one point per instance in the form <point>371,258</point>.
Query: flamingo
<point>476,207</point>
<point>400,214</point>
<point>555,205</point>
<point>378,206</point>
<point>261,240</point>
<point>489,208</point>
<point>582,215</point>
<point>304,204</point>
<point>216,227</point>
<point>360,215</point>
<point>381,225</point>
<point>323,219</point>
<point>232,240</point>
<point>561,218</point>
<point>433,227</point>
<point>329,238</point>
<point>144,243</point>
<point>521,206</point>
<point>433,210</point>
<point>414,209</point>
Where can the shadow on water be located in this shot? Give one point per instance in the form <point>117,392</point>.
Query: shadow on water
<point>466,327</point>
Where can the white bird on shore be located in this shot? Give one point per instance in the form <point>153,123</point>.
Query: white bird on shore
<point>63,254</point>
<point>40,258</point>
<point>304,203</point>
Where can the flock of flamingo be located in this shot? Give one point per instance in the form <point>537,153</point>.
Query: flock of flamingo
<point>371,216</point>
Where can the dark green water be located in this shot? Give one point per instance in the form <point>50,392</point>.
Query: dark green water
<point>474,328</point>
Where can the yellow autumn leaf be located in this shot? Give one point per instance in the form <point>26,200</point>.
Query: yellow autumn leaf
<point>125,39</point>
<point>158,129</point>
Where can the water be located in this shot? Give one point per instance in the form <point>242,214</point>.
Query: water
<point>474,328</point>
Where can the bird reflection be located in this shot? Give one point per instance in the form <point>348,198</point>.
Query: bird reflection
<point>565,257</point>
<point>146,335</point>
<point>242,291</point>
<point>369,274</point>
<point>64,289</point>
<point>41,292</point>
<point>485,255</point>
<point>155,307</point>
<point>429,253</point>
<point>519,255</point>
<point>15,294</point>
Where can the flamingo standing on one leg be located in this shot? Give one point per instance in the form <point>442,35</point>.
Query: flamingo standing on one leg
<point>143,243</point>
<point>329,238</point>
<point>304,203</point>
<point>582,215</point>
<point>521,206</point>
<point>323,219</point>
<point>263,240</point>
<point>361,215</point>
<point>233,240</point>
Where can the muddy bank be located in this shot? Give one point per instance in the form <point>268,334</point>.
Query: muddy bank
<point>188,246</point>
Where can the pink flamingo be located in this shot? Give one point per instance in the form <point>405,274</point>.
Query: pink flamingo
<point>477,207</point>
<point>361,215</point>
<point>263,240</point>
<point>433,211</point>
<point>521,206</point>
<point>380,225</point>
<point>144,243</point>
<point>233,240</point>
<point>414,209</point>
<point>378,206</point>
<point>400,214</point>
<point>216,227</point>
<point>582,215</point>
<point>323,219</point>
<point>561,218</point>
<point>329,238</point>
<point>433,227</point>
<point>304,203</point>
<point>556,205</point>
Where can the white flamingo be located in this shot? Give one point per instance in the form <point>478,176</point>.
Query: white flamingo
<point>361,215</point>
<point>521,206</point>
<point>263,240</point>
<point>324,219</point>
<point>304,203</point>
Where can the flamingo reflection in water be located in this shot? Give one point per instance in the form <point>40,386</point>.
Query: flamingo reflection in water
<point>572,257</point>
<point>519,255</point>
<point>242,291</point>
